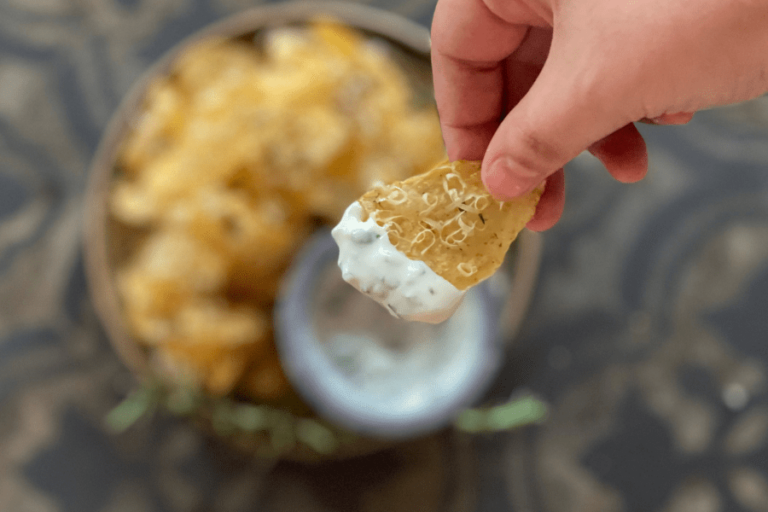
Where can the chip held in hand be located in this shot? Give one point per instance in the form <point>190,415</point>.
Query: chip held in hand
<point>416,246</point>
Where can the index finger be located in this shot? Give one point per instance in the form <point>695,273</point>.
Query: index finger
<point>469,46</point>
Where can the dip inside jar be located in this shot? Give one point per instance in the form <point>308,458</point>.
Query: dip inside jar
<point>391,369</point>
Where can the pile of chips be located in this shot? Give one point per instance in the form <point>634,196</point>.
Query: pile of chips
<point>242,149</point>
<point>446,218</point>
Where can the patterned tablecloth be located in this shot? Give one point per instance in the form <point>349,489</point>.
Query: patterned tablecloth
<point>647,332</point>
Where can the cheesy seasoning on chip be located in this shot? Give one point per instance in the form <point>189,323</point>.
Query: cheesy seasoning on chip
<point>416,246</point>
<point>240,151</point>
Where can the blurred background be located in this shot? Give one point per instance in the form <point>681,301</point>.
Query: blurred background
<point>646,335</point>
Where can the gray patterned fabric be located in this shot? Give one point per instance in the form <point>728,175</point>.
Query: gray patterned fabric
<point>647,333</point>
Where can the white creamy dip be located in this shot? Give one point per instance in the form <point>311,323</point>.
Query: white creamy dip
<point>408,289</point>
<point>387,373</point>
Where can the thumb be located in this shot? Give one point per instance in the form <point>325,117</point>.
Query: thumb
<point>559,117</point>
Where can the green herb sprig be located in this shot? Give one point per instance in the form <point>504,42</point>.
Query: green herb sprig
<point>282,430</point>
<point>518,412</point>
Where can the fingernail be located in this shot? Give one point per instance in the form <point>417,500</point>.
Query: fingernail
<point>504,182</point>
<point>675,118</point>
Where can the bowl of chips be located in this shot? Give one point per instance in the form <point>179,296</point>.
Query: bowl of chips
<point>219,164</point>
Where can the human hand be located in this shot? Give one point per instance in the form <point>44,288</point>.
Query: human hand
<point>574,75</point>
